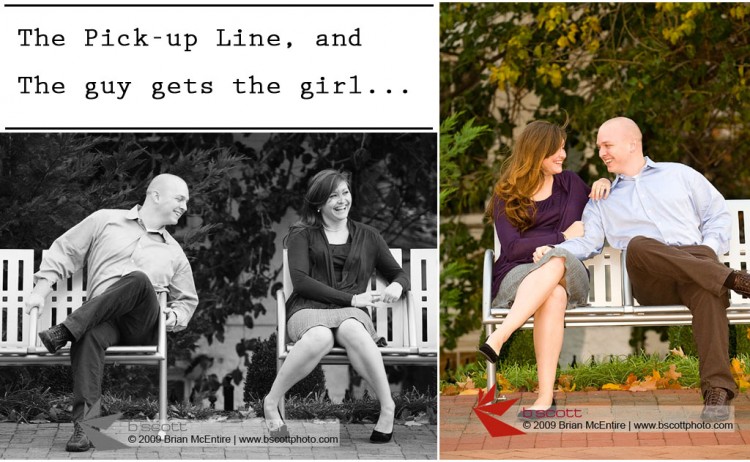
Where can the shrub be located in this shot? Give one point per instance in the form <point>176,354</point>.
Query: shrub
<point>519,349</point>
<point>262,370</point>
<point>123,380</point>
<point>739,340</point>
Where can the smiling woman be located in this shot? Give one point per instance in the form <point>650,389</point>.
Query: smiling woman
<point>537,203</point>
<point>331,259</point>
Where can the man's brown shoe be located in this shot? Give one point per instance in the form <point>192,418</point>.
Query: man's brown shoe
<point>79,442</point>
<point>741,283</point>
<point>716,405</point>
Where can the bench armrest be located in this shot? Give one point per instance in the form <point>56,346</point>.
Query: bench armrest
<point>33,329</point>
<point>489,260</point>
<point>281,323</point>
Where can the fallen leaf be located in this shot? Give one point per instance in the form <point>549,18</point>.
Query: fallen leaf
<point>738,367</point>
<point>677,352</point>
<point>450,390</point>
<point>645,385</point>
<point>565,383</point>
<point>470,391</point>
<point>673,374</point>
<point>611,386</point>
<point>504,384</point>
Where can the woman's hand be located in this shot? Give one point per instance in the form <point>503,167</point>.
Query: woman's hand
<point>366,299</point>
<point>600,189</point>
<point>392,292</point>
<point>540,251</point>
<point>574,230</point>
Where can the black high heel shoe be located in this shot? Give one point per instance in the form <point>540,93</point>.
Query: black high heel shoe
<point>534,415</point>
<point>489,353</point>
<point>380,437</point>
<point>281,431</point>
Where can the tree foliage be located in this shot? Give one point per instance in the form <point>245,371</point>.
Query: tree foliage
<point>678,69</point>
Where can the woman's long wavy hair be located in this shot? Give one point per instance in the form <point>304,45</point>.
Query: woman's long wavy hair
<point>319,188</point>
<point>521,174</point>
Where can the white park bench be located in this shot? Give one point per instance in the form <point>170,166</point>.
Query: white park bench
<point>19,343</point>
<point>409,325</point>
<point>611,301</point>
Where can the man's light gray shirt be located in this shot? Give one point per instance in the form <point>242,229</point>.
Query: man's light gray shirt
<point>666,201</point>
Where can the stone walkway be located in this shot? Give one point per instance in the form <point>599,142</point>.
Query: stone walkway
<point>47,441</point>
<point>463,436</point>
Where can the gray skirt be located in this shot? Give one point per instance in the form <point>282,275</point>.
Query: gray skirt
<point>576,280</point>
<point>304,320</point>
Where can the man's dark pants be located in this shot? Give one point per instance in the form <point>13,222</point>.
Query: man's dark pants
<point>127,313</point>
<point>693,276</point>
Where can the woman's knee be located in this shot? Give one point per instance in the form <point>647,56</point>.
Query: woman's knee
<point>319,336</point>
<point>351,330</point>
<point>557,300</point>
<point>555,262</point>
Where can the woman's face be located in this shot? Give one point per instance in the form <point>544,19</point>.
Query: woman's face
<point>336,208</point>
<point>553,164</point>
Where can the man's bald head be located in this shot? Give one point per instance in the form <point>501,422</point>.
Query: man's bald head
<point>165,181</point>
<point>624,125</point>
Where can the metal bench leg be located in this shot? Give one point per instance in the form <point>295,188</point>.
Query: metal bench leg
<point>163,392</point>
<point>491,367</point>
<point>282,400</point>
<point>162,347</point>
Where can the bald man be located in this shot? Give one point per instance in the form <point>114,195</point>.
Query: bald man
<point>673,223</point>
<point>130,257</point>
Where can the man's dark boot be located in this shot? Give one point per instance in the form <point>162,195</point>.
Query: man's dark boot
<point>716,405</point>
<point>79,442</point>
<point>55,337</point>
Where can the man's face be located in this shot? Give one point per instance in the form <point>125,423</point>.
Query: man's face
<point>615,148</point>
<point>172,202</point>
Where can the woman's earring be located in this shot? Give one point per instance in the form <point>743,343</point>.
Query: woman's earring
<point>318,210</point>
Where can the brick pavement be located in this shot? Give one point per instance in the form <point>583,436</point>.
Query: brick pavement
<point>47,441</point>
<point>462,435</point>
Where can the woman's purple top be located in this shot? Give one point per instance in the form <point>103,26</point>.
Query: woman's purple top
<point>553,216</point>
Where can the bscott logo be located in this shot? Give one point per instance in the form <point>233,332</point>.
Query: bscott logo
<point>485,411</point>
<point>101,441</point>
<point>488,414</point>
<point>550,413</point>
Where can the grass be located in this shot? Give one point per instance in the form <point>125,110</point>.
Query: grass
<point>410,405</point>
<point>585,376</point>
<point>37,404</point>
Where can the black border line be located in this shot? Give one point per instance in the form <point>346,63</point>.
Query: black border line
<point>220,5</point>
<point>217,128</point>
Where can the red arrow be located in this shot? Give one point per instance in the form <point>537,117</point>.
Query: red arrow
<point>485,410</point>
